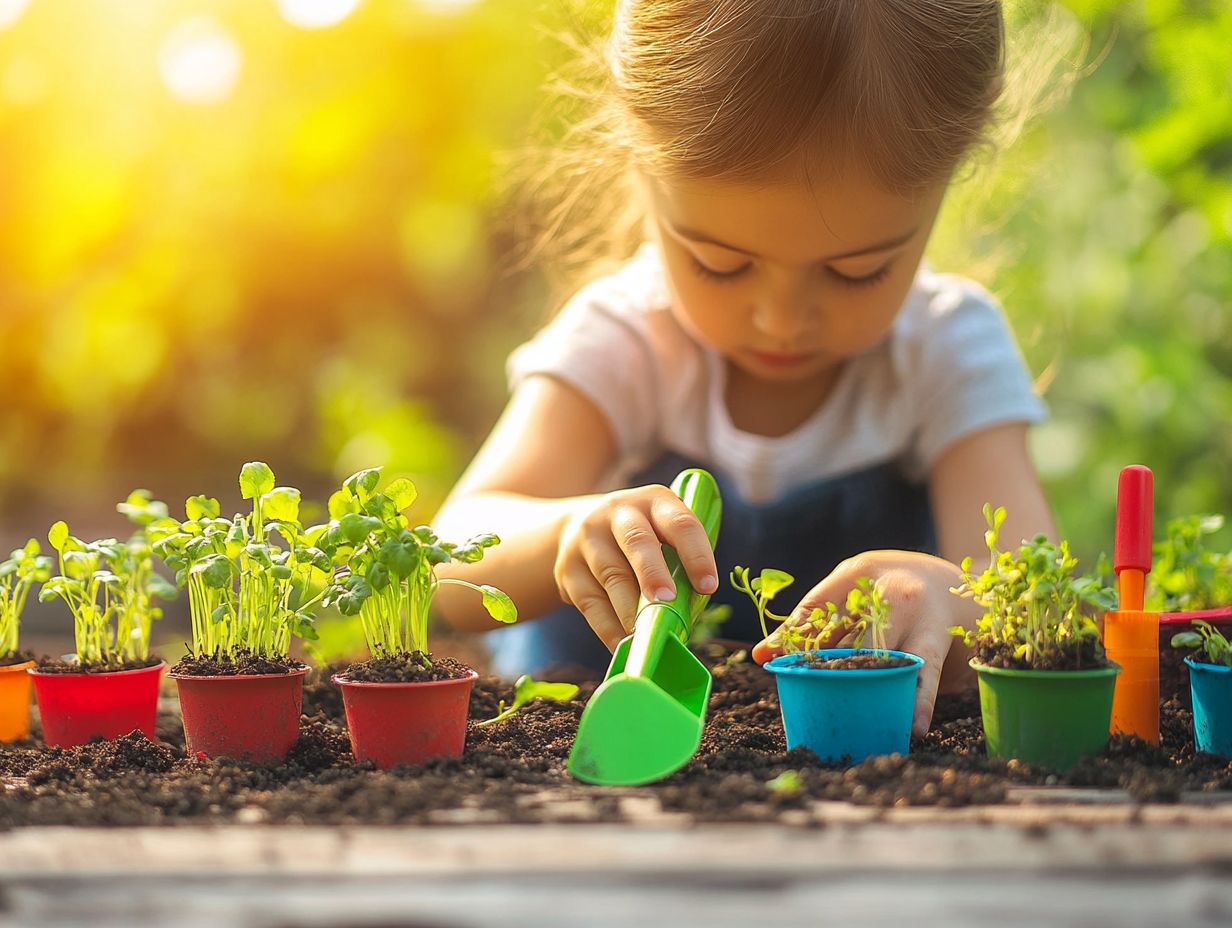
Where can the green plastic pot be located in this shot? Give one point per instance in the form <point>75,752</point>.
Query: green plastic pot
<point>1053,718</point>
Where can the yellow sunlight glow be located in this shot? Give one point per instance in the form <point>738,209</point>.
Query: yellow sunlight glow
<point>200,61</point>
<point>316,14</point>
<point>11,10</point>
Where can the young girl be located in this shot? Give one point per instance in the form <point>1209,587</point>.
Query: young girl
<point>776,327</point>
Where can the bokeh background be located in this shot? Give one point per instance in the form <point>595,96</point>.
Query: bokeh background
<point>284,230</point>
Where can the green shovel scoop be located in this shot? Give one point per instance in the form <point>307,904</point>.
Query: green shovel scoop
<point>645,720</point>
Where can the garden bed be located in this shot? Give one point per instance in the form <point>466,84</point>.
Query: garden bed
<point>514,772</point>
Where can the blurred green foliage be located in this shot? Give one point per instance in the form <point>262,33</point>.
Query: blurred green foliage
<point>313,269</point>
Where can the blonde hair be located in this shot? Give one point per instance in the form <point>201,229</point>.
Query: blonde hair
<point>746,90</point>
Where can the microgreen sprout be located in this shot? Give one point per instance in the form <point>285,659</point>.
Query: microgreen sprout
<point>251,578</point>
<point>387,570</point>
<point>787,783</point>
<point>865,613</point>
<point>1187,574</point>
<point>1033,602</point>
<point>1208,639</point>
<point>25,567</point>
<point>109,586</point>
<point>524,691</point>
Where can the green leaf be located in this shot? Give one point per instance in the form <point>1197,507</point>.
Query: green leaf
<point>356,527</point>
<point>499,605</point>
<point>281,503</point>
<point>58,535</point>
<point>363,483</point>
<point>341,502</point>
<point>256,479</point>
<point>773,582</point>
<point>402,492</point>
<point>201,507</point>
<point>528,688</point>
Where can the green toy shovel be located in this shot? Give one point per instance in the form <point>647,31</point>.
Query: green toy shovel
<point>645,720</point>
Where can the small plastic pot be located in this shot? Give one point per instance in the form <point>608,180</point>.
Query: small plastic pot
<point>76,707</point>
<point>1049,717</point>
<point>250,717</point>
<point>1212,706</point>
<point>406,723</point>
<point>15,701</point>
<point>1173,678</point>
<point>841,714</point>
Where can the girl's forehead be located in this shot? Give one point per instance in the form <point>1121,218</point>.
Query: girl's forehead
<point>791,221</point>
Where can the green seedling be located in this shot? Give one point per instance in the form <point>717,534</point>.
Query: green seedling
<point>1033,600</point>
<point>525,691</point>
<point>1208,639</point>
<point>110,587</point>
<point>253,580</point>
<point>1187,575</point>
<point>387,570</point>
<point>25,567</point>
<point>787,783</point>
<point>864,613</point>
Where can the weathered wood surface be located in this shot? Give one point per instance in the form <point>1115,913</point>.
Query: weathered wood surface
<point>1089,863</point>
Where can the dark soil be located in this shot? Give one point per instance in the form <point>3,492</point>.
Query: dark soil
<point>17,657</point>
<point>515,771</point>
<point>412,667</point>
<point>856,662</point>
<point>244,663</point>
<point>56,665</point>
<point>1087,656</point>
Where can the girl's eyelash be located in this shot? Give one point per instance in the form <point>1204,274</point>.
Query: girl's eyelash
<point>865,281</point>
<point>718,276</point>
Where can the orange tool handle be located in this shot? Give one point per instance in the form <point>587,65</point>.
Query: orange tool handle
<point>1131,639</point>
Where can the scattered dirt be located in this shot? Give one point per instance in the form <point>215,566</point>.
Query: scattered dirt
<point>1087,656</point>
<point>515,771</point>
<point>244,663</point>
<point>17,657</point>
<point>856,662</point>
<point>56,665</point>
<point>411,667</point>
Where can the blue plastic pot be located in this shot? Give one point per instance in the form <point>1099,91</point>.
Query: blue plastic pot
<point>1211,685</point>
<point>846,713</point>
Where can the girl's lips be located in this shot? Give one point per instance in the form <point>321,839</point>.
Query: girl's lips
<point>771,359</point>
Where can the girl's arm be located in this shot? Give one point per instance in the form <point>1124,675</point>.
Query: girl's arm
<point>533,483</point>
<point>548,450</point>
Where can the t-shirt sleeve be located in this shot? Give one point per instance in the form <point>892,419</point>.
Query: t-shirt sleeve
<point>971,374</point>
<point>598,347</point>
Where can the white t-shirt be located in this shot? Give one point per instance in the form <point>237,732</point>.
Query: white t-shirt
<point>948,367</point>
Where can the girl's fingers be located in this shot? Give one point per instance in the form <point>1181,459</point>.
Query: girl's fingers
<point>585,593</point>
<point>677,526</point>
<point>642,551</point>
<point>608,564</point>
<point>933,652</point>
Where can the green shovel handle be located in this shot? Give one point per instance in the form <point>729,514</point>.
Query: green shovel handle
<point>699,491</point>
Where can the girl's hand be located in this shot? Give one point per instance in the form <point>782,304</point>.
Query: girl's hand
<point>609,553</point>
<point>922,610</point>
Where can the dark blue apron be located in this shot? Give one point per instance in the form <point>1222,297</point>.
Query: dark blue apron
<point>807,533</point>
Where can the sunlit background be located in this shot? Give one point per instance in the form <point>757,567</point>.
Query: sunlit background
<point>280,230</point>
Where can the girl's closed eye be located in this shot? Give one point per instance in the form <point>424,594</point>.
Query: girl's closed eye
<point>710,273</point>
<point>861,280</point>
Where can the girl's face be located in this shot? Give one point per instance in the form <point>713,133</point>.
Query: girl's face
<point>788,280</point>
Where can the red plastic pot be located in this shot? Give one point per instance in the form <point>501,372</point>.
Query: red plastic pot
<point>1173,675</point>
<point>250,717</point>
<point>406,723</point>
<point>76,707</point>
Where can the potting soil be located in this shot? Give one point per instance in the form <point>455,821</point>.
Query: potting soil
<point>515,771</point>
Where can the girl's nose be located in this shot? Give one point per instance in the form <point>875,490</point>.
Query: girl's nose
<point>784,318</point>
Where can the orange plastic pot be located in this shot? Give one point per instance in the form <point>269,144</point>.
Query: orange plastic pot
<point>15,701</point>
<point>77,707</point>
<point>250,717</point>
<point>406,723</point>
